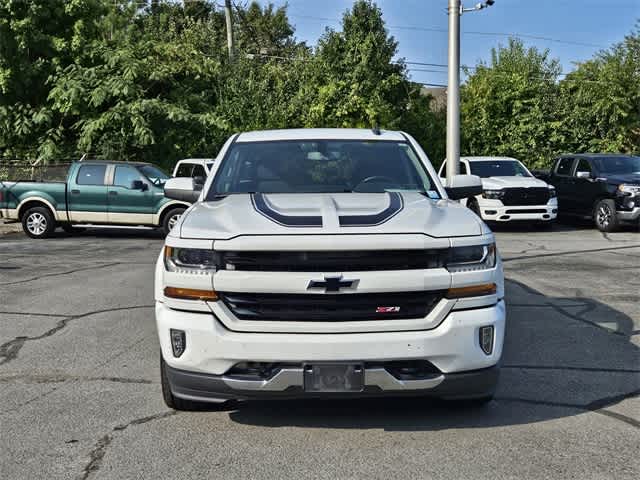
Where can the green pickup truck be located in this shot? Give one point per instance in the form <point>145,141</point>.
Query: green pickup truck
<point>95,192</point>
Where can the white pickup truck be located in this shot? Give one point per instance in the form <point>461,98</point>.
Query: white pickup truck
<point>327,262</point>
<point>193,167</point>
<point>510,191</point>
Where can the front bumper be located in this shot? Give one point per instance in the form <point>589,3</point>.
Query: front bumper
<point>212,350</point>
<point>495,211</point>
<point>632,215</point>
<point>288,384</point>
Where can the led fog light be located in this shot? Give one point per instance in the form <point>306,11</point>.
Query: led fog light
<point>178,342</point>
<point>486,339</point>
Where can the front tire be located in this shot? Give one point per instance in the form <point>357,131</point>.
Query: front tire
<point>604,215</point>
<point>171,218</point>
<point>38,222</point>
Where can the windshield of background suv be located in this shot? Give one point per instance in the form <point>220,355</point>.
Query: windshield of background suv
<point>617,165</point>
<point>498,168</point>
<point>321,166</point>
<point>157,176</point>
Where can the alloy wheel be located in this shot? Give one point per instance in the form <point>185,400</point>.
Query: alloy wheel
<point>36,223</point>
<point>604,215</point>
<point>173,220</point>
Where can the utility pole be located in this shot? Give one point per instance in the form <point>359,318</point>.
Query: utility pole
<point>453,91</point>
<point>453,85</point>
<point>227,16</point>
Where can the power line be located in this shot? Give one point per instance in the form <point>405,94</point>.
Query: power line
<point>469,32</point>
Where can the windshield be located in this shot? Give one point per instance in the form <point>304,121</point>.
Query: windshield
<point>321,166</point>
<point>157,176</point>
<point>617,165</point>
<point>498,168</point>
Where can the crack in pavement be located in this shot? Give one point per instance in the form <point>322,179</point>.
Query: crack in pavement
<point>60,378</point>
<point>9,350</point>
<point>55,315</point>
<point>31,400</point>
<point>606,237</point>
<point>597,406</point>
<point>571,252</point>
<point>81,269</point>
<point>96,455</point>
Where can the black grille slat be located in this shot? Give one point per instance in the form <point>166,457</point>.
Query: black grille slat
<point>339,261</point>
<point>525,196</point>
<point>329,307</point>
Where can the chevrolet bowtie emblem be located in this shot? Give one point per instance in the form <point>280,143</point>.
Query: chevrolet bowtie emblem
<point>332,284</point>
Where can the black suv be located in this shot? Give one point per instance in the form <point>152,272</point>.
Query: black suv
<point>605,187</point>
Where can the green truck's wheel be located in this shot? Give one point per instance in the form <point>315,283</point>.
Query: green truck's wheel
<point>38,222</point>
<point>171,218</point>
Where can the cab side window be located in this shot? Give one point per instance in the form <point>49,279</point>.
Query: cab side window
<point>91,175</point>
<point>583,166</point>
<point>564,166</point>
<point>198,171</point>
<point>184,170</point>
<point>125,175</point>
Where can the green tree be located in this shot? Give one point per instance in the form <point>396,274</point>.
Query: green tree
<point>37,38</point>
<point>355,81</point>
<point>264,30</point>
<point>601,101</point>
<point>509,106</point>
<point>148,93</point>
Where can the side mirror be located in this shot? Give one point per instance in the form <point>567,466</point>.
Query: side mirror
<point>182,188</point>
<point>139,185</point>
<point>583,174</point>
<point>464,186</point>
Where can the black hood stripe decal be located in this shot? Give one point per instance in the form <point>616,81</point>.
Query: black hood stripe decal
<point>396,205</point>
<point>261,206</point>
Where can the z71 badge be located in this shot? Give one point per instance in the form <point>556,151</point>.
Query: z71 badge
<point>387,309</point>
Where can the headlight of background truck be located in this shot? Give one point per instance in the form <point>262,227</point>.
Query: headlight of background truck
<point>493,194</point>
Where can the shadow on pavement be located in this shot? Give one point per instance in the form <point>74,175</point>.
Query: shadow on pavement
<point>563,224</point>
<point>557,363</point>
<point>111,232</point>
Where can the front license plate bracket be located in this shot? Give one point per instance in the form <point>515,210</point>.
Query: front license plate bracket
<point>333,377</point>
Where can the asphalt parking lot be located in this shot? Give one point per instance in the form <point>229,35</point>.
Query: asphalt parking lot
<point>80,393</point>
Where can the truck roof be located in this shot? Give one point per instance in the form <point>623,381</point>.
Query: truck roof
<point>110,162</point>
<point>485,158</point>
<point>592,155</point>
<point>321,134</point>
<point>196,160</point>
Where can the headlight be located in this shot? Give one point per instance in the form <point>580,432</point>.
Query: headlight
<point>552,192</point>
<point>630,189</point>
<point>472,258</point>
<point>493,194</point>
<point>190,260</point>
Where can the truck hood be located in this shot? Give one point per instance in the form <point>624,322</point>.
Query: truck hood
<point>335,213</point>
<point>629,178</point>
<point>496,183</point>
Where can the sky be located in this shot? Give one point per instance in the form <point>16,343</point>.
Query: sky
<point>582,27</point>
